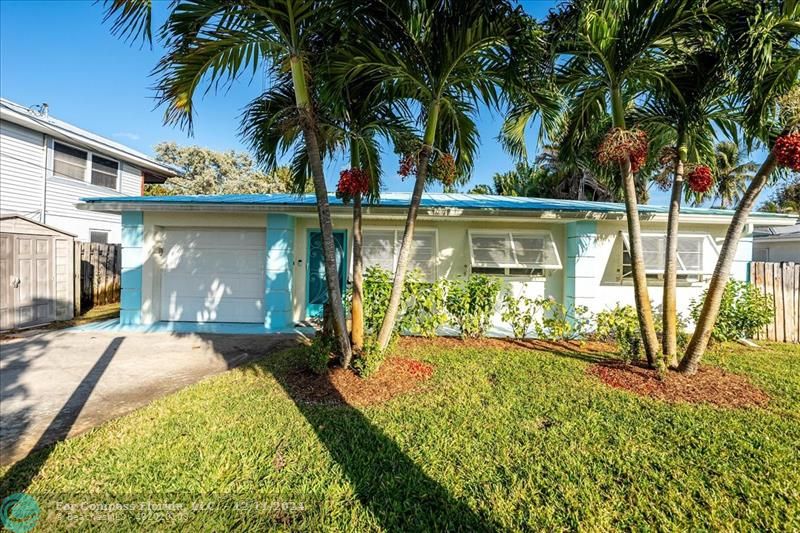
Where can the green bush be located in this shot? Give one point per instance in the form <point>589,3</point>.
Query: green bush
<point>621,325</point>
<point>318,354</point>
<point>681,334</point>
<point>471,303</point>
<point>519,312</point>
<point>744,311</point>
<point>558,323</point>
<point>369,360</point>
<point>422,304</point>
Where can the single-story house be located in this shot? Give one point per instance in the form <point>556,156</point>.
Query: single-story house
<point>777,244</point>
<point>257,258</point>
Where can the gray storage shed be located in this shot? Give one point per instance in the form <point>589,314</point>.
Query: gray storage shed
<point>36,273</point>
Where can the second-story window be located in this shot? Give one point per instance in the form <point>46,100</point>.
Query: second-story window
<point>77,164</point>
<point>69,162</point>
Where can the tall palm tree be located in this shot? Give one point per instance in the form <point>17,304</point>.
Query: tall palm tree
<point>452,56</point>
<point>765,34</point>
<point>607,52</point>
<point>213,42</point>
<point>733,171</point>
<point>688,111</point>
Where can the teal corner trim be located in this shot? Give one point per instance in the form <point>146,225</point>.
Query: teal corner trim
<point>130,312</point>
<point>580,265</point>
<point>278,305</point>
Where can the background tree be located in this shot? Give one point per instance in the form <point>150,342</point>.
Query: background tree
<point>785,200</point>
<point>765,36</point>
<point>732,172</point>
<point>205,171</point>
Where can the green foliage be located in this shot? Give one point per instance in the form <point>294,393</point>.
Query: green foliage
<point>422,303</point>
<point>681,335</point>
<point>744,311</point>
<point>205,171</point>
<point>621,325</point>
<point>471,303</point>
<point>519,312</point>
<point>557,323</point>
<point>317,356</point>
<point>370,359</point>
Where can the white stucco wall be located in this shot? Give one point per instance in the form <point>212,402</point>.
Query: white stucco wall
<point>602,290</point>
<point>776,251</point>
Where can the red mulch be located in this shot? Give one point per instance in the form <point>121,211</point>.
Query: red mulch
<point>710,385</point>
<point>395,376</point>
<point>586,347</point>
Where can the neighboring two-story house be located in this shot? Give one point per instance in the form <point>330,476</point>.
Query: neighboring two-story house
<point>47,165</point>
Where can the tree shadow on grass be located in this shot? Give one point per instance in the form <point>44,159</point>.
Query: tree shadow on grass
<point>398,493</point>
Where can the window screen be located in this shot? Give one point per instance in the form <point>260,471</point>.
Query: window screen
<point>98,236</point>
<point>517,251</point>
<point>104,172</point>
<point>690,254</point>
<point>69,162</point>
<point>382,247</point>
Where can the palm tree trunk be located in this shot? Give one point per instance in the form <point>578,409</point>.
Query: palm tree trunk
<point>669,313</point>
<point>323,208</point>
<point>387,327</point>
<point>644,310</point>
<point>708,316</point>
<point>357,305</point>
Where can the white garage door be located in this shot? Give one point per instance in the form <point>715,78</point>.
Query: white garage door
<point>213,275</point>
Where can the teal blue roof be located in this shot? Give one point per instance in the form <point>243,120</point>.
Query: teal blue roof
<point>485,202</point>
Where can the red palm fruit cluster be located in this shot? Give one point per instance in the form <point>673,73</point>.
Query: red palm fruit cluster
<point>408,165</point>
<point>444,169</point>
<point>700,179</point>
<point>787,151</point>
<point>351,182</point>
<point>619,144</point>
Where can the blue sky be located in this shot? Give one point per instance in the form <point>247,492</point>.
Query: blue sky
<point>59,52</point>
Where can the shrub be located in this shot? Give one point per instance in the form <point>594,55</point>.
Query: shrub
<point>558,323</point>
<point>621,325</point>
<point>744,311</point>
<point>471,303</point>
<point>422,304</point>
<point>519,313</point>
<point>318,354</point>
<point>681,334</point>
<point>369,360</point>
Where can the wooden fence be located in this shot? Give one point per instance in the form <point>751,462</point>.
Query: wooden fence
<point>97,274</point>
<point>782,282</point>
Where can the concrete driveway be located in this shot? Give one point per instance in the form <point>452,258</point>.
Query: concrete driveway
<point>57,384</point>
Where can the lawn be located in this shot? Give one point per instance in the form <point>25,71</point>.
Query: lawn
<point>500,437</point>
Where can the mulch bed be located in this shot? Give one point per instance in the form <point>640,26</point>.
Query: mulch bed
<point>711,385</point>
<point>586,347</point>
<point>395,376</point>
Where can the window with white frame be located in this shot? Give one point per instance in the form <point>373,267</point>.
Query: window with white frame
<point>77,164</point>
<point>381,247</point>
<point>513,253</point>
<point>654,247</point>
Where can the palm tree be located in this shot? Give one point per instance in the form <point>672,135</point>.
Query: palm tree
<point>215,42</point>
<point>452,55</point>
<point>607,52</point>
<point>733,173</point>
<point>765,34</point>
<point>686,111</point>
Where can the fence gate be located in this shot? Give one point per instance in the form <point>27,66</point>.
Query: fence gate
<point>99,266</point>
<point>782,282</point>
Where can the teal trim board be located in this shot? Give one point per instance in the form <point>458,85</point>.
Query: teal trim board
<point>130,309</point>
<point>280,263</point>
<point>580,267</point>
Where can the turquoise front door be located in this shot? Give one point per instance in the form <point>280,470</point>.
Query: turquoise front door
<point>316,288</point>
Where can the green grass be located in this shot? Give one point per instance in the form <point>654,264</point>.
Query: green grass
<point>499,439</point>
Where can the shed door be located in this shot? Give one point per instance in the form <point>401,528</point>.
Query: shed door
<point>29,293</point>
<point>213,275</point>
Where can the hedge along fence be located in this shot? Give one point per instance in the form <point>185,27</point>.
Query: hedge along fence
<point>781,281</point>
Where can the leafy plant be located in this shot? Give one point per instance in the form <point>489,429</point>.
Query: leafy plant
<point>318,354</point>
<point>558,323</point>
<point>519,312</point>
<point>377,289</point>
<point>471,303</point>
<point>743,312</point>
<point>621,325</point>
<point>369,360</point>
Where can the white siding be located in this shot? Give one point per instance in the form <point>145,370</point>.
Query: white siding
<point>131,178</point>
<point>22,161</point>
